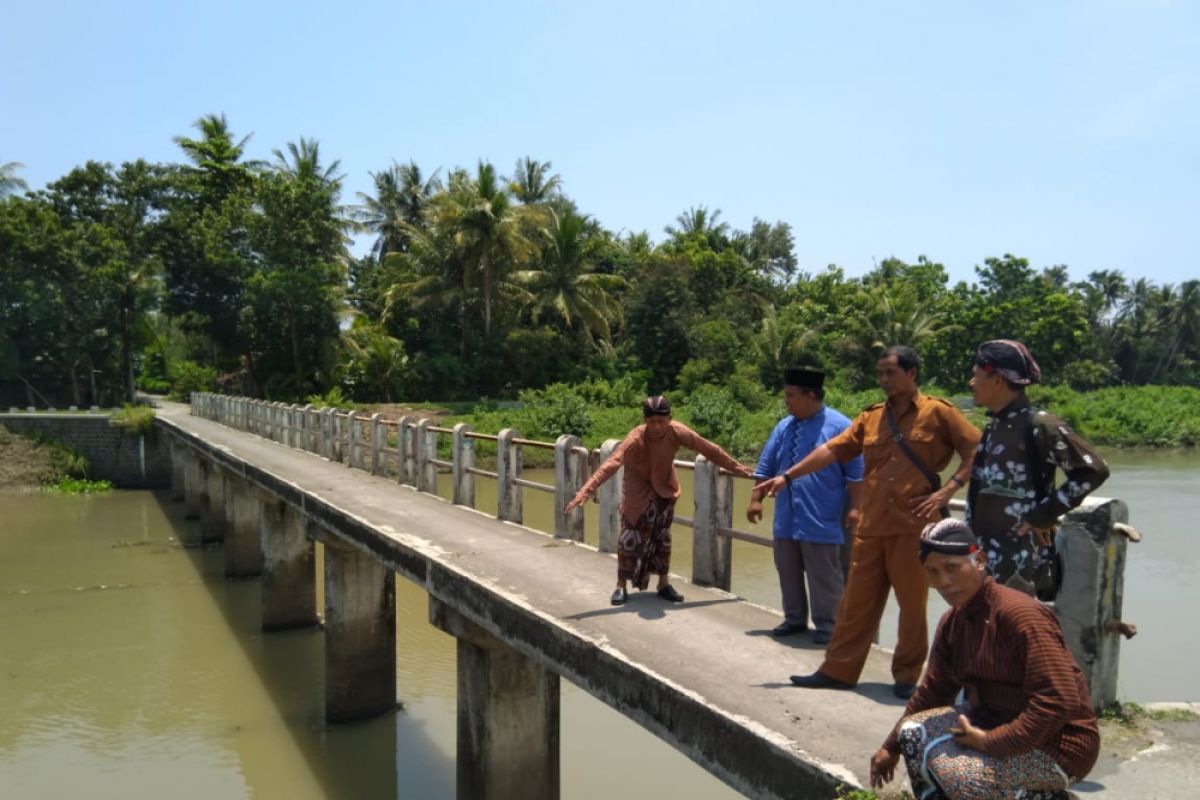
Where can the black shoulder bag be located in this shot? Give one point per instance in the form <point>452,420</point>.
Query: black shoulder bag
<point>935,480</point>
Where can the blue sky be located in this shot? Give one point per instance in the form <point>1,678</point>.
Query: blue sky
<point>1065,132</point>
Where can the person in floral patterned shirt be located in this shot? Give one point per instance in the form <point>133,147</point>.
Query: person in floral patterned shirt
<point>1013,504</point>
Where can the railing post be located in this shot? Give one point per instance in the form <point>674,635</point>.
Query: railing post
<point>339,436</point>
<point>714,510</point>
<point>568,477</point>
<point>295,433</point>
<point>354,440</point>
<point>312,429</point>
<point>609,495</point>
<point>1089,603</point>
<point>405,434</point>
<point>378,432</point>
<point>327,433</point>
<point>426,452</point>
<point>508,468</point>
<point>464,460</point>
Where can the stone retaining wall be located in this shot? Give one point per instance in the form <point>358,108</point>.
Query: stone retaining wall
<point>129,461</point>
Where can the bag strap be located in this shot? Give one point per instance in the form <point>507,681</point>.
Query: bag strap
<point>1042,472</point>
<point>935,482</point>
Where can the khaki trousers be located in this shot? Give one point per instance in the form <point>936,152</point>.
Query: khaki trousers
<point>878,564</point>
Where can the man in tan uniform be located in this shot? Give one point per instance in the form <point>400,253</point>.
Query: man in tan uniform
<point>906,442</point>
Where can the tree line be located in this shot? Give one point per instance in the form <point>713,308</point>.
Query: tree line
<point>222,272</point>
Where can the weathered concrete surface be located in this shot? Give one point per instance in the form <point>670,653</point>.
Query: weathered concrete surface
<point>289,592</point>
<point>704,675</point>
<point>508,715</point>
<point>360,635</point>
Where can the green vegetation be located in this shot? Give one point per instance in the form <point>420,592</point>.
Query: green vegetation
<point>38,462</point>
<point>136,420</point>
<point>68,485</point>
<point>1131,714</point>
<point>223,273</point>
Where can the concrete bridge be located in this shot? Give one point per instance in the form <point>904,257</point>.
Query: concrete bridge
<point>528,609</point>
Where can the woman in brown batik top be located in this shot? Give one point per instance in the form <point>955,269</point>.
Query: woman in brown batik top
<point>648,494</point>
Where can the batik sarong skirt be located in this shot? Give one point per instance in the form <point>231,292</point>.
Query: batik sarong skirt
<point>644,548</point>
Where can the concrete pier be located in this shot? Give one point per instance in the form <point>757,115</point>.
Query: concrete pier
<point>360,635</point>
<point>214,521</point>
<point>508,716</point>
<point>243,549</point>
<point>178,481</point>
<point>193,483</point>
<point>289,580</point>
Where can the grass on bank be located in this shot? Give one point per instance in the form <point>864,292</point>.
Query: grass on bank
<point>1132,714</point>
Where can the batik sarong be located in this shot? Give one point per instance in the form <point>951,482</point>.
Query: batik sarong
<point>941,769</point>
<point>644,548</point>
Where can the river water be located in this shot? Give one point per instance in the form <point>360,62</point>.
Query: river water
<point>130,667</point>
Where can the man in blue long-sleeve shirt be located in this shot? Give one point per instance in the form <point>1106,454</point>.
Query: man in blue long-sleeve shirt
<point>811,512</point>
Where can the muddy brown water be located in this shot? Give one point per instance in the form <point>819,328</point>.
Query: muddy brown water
<point>130,667</point>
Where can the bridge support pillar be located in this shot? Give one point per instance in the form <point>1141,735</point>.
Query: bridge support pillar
<point>212,529</point>
<point>289,580</point>
<point>508,715</point>
<point>243,552</point>
<point>178,482</point>
<point>360,635</point>
<point>193,483</point>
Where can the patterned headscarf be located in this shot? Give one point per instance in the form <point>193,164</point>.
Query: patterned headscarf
<point>1009,358</point>
<point>950,537</point>
<point>657,406</point>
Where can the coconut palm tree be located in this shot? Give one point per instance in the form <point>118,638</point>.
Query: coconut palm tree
<point>401,197</point>
<point>9,182</point>
<point>486,228</point>
<point>531,182</point>
<point>565,284</point>
<point>698,219</point>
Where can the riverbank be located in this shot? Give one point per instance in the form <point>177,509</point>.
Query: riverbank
<point>26,465</point>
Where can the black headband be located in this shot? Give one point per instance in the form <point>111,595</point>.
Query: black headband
<point>949,537</point>
<point>657,406</point>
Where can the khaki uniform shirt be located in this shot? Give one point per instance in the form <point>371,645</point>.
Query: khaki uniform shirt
<point>934,430</point>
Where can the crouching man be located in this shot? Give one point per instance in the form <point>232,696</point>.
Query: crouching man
<point>1026,728</point>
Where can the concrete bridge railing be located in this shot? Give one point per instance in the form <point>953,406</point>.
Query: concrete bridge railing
<point>1091,541</point>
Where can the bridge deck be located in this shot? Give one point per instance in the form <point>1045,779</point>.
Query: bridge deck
<point>704,675</point>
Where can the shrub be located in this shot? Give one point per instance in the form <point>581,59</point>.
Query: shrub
<point>191,377</point>
<point>334,398</point>
<point>551,412</point>
<point>137,420</point>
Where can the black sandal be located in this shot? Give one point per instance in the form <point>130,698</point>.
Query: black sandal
<point>668,593</point>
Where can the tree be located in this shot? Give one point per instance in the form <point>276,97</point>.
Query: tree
<point>9,182</point>
<point>532,183</point>
<point>565,284</point>
<point>486,229</point>
<point>401,196</point>
<point>699,221</point>
<point>206,250</point>
<point>290,312</point>
<point>769,249</point>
